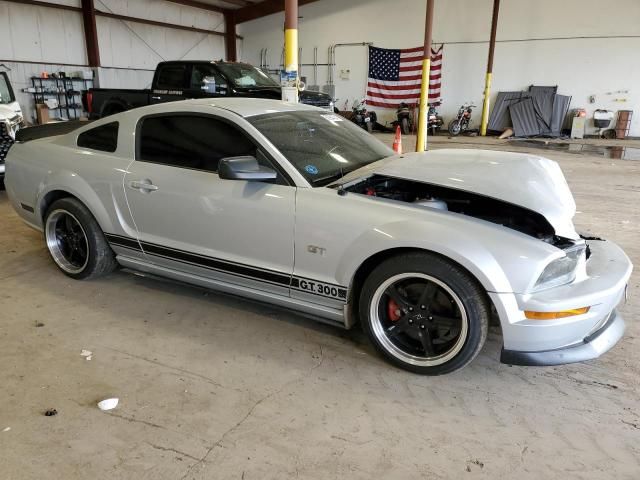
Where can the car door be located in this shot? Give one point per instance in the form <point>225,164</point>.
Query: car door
<point>190,220</point>
<point>170,82</point>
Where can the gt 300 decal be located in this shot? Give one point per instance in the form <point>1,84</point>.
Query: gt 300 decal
<point>319,288</point>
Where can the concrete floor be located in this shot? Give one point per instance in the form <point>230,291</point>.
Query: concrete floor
<point>211,386</point>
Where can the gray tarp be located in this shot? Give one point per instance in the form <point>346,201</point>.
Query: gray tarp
<point>560,111</point>
<point>525,121</point>
<point>500,119</point>
<point>538,112</point>
<point>543,100</point>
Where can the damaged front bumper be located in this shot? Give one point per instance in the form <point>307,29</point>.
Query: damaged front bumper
<point>575,338</point>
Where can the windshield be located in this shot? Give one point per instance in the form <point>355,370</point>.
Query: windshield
<point>322,147</point>
<point>6,94</point>
<point>245,75</point>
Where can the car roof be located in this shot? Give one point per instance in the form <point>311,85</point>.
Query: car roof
<point>200,62</point>
<point>245,107</point>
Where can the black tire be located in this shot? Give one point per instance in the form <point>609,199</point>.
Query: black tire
<point>467,300</point>
<point>99,259</point>
<point>455,128</point>
<point>404,126</point>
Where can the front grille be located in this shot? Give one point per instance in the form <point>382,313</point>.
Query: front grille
<point>5,141</point>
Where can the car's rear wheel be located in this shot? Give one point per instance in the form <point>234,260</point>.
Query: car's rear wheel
<point>424,313</point>
<point>76,242</point>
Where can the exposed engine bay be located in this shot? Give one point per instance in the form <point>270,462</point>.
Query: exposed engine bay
<point>425,195</point>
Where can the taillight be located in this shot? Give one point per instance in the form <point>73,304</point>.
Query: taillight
<point>89,102</point>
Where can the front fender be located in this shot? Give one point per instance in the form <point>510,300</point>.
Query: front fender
<point>502,260</point>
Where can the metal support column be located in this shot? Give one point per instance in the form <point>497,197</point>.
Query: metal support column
<point>421,140</point>
<point>91,33</point>
<point>230,37</point>
<point>487,82</point>
<point>290,77</point>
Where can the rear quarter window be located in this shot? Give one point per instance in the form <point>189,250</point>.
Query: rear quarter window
<point>103,138</point>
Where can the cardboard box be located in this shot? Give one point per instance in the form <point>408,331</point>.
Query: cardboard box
<point>42,113</point>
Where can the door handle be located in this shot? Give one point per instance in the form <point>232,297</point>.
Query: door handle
<point>144,186</point>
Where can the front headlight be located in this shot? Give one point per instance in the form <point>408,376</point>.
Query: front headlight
<point>562,270</point>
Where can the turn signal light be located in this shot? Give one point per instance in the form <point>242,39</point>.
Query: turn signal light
<point>555,315</point>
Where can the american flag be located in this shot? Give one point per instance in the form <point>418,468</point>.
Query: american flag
<point>395,76</point>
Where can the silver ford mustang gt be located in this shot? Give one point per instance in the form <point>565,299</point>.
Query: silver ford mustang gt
<point>297,207</point>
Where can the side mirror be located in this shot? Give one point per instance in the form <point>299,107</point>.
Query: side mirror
<point>244,168</point>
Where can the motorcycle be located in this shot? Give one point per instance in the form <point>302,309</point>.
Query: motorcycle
<point>435,121</point>
<point>462,121</point>
<point>363,117</point>
<point>405,119</point>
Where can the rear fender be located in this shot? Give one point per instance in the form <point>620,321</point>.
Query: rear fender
<point>71,183</point>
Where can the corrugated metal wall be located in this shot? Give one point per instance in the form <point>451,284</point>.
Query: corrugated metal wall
<point>36,39</point>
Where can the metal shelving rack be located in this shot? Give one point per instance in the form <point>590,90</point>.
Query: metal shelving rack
<point>65,91</point>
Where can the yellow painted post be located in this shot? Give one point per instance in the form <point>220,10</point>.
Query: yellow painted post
<point>290,83</point>
<point>291,50</point>
<point>485,105</point>
<point>421,140</point>
<point>423,112</point>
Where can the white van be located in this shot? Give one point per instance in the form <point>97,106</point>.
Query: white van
<point>10,119</point>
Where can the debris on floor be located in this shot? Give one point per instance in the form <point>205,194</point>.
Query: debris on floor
<point>506,134</point>
<point>51,412</point>
<point>476,462</point>
<point>39,324</point>
<point>6,429</point>
<point>108,404</point>
<point>87,354</point>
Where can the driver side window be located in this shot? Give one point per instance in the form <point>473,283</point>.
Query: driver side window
<point>195,142</point>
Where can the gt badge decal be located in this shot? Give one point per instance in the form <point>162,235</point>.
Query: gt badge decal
<point>311,169</point>
<point>314,249</point>
<point>319,288</point>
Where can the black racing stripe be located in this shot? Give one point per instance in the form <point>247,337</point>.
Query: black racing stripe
<point>251,276</point>
<point>221,265</point>
<point>210,262</point>
<point>121,241</point>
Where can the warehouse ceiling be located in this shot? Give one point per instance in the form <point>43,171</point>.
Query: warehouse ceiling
<point>230,4</point>
<point>243,10</point>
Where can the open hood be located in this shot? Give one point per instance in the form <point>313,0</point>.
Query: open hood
<point>529,181</point>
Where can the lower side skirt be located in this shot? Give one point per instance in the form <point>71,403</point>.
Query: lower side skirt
<point>335,317</point>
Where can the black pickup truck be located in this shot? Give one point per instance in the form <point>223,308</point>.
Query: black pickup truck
<point>180,80</point>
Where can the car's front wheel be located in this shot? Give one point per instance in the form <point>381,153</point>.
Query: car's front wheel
<point>424,313</point>
<point>76,242</point>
